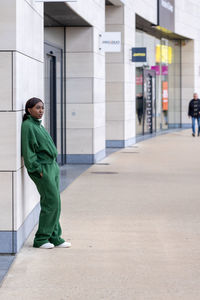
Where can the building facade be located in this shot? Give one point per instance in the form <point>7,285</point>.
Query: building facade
<point>93,99</point>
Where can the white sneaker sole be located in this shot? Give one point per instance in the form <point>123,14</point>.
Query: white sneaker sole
<point>47,246</point>
<point>64,245</point>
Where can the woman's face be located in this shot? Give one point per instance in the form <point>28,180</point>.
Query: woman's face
<point>37,111</point>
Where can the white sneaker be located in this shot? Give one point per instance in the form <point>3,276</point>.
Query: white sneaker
<point>47,246</point>
<point>64,245</point>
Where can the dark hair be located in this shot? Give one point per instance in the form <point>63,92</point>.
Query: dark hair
<point>29,104</point>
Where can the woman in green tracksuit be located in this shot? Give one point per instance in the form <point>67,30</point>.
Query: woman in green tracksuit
<point>39,152</point>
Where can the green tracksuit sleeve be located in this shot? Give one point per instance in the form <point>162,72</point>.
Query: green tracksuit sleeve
<point>29,146</point>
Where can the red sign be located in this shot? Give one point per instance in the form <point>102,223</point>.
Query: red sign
<point>139,80</point>
<point>164,70</point>
<point>156,68</point>
<point>165,95</point>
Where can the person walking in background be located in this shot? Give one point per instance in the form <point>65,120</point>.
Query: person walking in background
<point>194,112</point>
<point>40,153</point>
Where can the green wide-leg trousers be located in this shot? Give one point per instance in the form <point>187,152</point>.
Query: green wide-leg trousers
<point>49,229</point>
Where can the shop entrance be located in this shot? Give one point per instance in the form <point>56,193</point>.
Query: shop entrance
<point>54,106</point>
<point>164,58</point>
<point>149,99</point>
<point>145,101</point>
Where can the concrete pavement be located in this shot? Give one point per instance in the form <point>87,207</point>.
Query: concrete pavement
<point>134,224</point>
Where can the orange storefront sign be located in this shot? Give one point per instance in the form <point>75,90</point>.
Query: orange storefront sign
<point>165,95</point>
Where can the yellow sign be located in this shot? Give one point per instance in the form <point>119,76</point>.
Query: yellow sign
<point>139,54</point>
<point>163,54</point>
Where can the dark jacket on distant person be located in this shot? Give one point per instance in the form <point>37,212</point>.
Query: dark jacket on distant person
<point>194,108</point>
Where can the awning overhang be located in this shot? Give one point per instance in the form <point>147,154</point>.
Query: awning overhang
<point>61,15</point>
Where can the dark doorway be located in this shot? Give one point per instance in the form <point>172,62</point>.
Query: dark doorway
<point>145,101</point>
<point>51,99</point>
<point>149,101</point>
<point>54,105</point>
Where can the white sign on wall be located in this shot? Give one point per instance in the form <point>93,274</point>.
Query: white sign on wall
<point>55,0</point>
<point>110,42</point>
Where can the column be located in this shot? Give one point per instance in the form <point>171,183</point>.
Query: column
<point>85,89</point>
<point>120,80</point>
<point>187,79</point>
<point>21,77</point>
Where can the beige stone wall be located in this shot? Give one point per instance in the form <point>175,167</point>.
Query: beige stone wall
<point>21,65</point>
<point>187,24</point>
<point>85,72</point>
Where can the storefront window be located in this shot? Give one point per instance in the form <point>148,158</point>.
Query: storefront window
<point>163,58</point>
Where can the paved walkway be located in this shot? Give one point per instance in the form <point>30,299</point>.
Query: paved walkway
<point>135,228</point>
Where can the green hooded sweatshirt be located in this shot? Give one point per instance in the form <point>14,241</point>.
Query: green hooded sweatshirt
<point>37,145</point>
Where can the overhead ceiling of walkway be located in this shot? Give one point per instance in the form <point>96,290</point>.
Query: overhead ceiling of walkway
<point>60,14</point>
<point>115,2</point>
<point>152,29</point>
<point>108,2</point>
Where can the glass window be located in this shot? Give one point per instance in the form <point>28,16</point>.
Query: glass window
<point>163,56</point>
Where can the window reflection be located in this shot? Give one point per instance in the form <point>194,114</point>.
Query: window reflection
<point>163,56</point>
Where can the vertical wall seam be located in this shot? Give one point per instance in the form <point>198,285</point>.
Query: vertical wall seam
<point>124,71</point>
<point>181,120</point>
<point>65,100</point>
<point>93,62</point>
<point>13,220</point>
<point>12,84</point>
<point>12,87</point>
